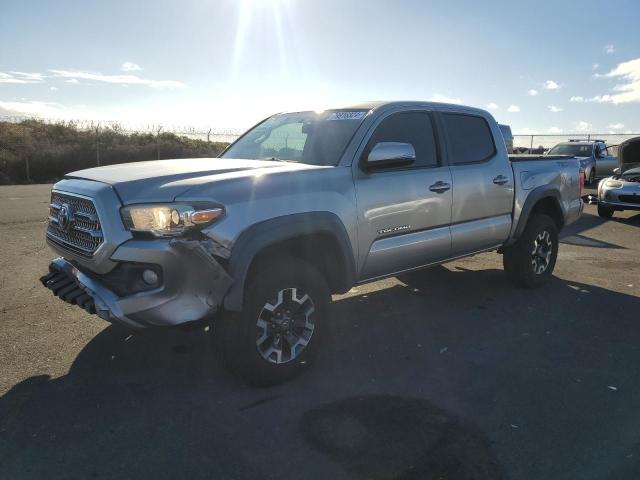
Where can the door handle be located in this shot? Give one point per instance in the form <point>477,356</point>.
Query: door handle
<point>440,187</point>
<point>500,180</point>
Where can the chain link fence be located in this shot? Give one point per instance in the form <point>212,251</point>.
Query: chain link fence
<point>539,144</point>
<point>36,150</point>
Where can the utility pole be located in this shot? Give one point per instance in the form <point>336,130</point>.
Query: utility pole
<point>208,135</point>
<point>531,146</point>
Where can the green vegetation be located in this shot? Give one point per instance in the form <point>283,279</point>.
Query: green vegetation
<point>38,152</point>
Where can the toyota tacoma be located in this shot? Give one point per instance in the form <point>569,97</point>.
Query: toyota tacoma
<point>302,206</point>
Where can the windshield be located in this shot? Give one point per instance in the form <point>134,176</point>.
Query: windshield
<point>631,171</point>
<point>304,137</point>
<point>575,150</point>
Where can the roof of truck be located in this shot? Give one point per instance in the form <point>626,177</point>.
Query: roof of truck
<point>374,105</point>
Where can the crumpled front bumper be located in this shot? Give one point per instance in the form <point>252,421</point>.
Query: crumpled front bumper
<point>193,285</point>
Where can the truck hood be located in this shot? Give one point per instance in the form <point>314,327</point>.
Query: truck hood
<point>164,180</point>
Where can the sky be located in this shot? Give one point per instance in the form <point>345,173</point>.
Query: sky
<point>562,66</point>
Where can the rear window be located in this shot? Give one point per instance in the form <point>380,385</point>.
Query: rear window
<point>470,138</point>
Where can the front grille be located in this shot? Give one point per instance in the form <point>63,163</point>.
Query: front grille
<point>74,224</point>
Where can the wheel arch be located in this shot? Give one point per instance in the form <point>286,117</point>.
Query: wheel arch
<point>544,200</point>
<point>318,237</point>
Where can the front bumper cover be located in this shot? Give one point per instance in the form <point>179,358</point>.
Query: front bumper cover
<point>194,285</point>
<point>615,197</point>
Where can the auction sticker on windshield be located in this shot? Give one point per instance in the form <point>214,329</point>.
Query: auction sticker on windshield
<point>347,115</point>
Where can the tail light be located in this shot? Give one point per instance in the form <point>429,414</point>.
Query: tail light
<point>582,180</point>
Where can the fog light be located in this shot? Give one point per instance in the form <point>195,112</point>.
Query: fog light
<point>150,277</point>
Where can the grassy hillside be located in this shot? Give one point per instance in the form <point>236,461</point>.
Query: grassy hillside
<point>34,151</point>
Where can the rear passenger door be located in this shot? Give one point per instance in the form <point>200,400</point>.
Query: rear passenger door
<point>403,211</point>
<point>483,184</point>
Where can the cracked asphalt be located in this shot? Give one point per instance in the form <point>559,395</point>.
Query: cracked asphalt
<point>451,373</point>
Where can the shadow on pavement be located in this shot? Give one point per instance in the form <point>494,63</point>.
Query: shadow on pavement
<point>453,371</point>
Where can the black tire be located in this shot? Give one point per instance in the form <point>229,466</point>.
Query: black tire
<point>592,177</point>
<point>522,264</point>
<point>605,212</point>
<point>238,334</point>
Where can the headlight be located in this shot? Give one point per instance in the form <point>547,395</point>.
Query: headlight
<point>168,219</point>
<point>613,184</point>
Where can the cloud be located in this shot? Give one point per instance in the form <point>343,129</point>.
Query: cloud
<point>528,131</point>
<point>73,80</point>
<point>513,109</point>
<point>555,130</point>
<point>532,92</point>
<point>444,99</point>
<point>492,106</point>
<point>628,91</point>
<point>577,99</point>
<point>30,108</point>
<point>130,67</point>
<point>616,126</point>
<point>595,66</point>
<point>554,109</point>
<point>121,79</point>
<point>609,49</point>
<point>21,77</point>
<point>53,89</point>
<point>551,85</point>
<point>582,126</point>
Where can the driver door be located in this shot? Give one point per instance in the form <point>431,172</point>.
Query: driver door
<point>404,211</point>
<point>605,162</point>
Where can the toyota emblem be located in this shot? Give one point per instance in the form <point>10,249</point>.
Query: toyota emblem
<point>65,218</point>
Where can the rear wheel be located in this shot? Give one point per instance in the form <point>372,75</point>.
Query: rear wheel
<point>530,261</point>
<point>276,335</point>
<point>605,212</point>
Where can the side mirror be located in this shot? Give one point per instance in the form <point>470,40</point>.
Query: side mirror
<point>390,154</point>
<point>617,170</point>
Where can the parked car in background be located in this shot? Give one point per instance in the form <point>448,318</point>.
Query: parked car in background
<point>622,190</point>
<point>302,206</point>
<point>594,157</point>
<point>508,136</point>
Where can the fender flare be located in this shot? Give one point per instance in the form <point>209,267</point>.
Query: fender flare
<point>539,193</point>
<point>261,235</point>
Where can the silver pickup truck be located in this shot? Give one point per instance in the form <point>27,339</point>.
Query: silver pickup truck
<point>302,206</point>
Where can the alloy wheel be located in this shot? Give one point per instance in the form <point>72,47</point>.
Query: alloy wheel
<point>541,254</point>
<point>285,326</point>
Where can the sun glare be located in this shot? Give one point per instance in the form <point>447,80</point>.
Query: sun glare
<point>253,13</point>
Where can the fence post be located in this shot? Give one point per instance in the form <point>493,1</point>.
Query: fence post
<point>98,146</point>
<point>158,142</point>
<point>26,156</point>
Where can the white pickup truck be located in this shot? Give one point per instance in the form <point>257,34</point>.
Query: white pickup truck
<point>303,205</point>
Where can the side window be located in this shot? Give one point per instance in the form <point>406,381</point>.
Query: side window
<point>410,127</point>
<point>603,149</point>
<point>470,138</point>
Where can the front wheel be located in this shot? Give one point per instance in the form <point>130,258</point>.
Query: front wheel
<point>605,212</point>
<point>276,335</point>
<point>592,177</point>
<point>530,261</point>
